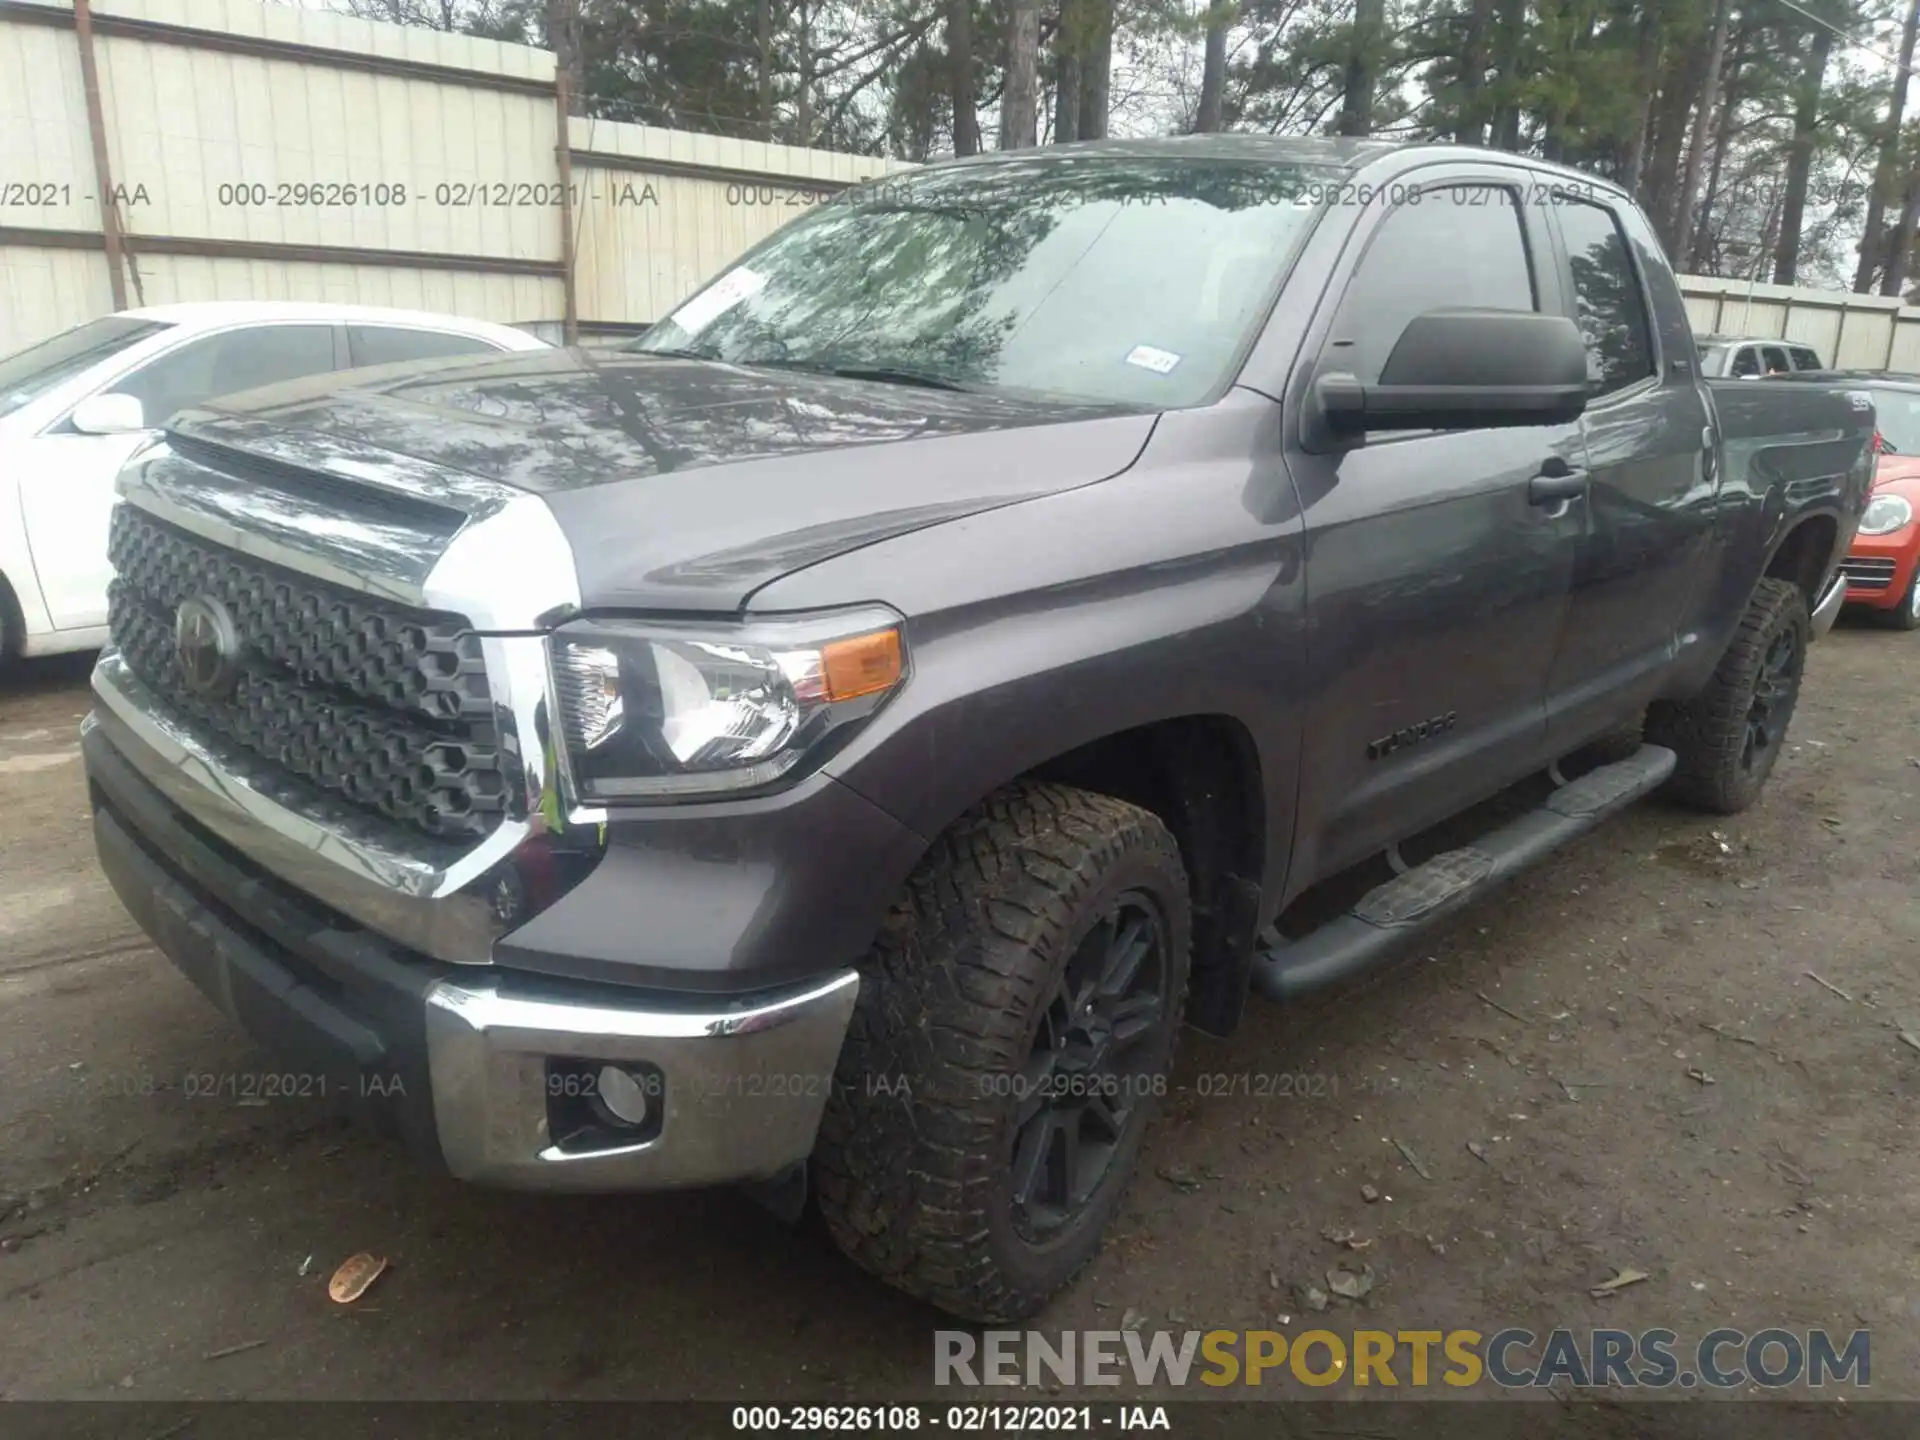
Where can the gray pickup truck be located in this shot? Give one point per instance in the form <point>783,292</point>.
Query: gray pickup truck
<point>1023,605</point>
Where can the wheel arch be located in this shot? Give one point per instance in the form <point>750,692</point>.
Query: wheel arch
<point>1804,553</point>
<point>1201,775</point>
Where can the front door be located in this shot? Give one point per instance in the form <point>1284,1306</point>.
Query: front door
<point>1437,585</point>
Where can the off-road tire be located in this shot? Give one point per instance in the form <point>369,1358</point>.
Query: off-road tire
<point>1709,732</point>
<point>913,1166</point>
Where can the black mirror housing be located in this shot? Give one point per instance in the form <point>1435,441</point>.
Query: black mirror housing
<point>1466,369</point>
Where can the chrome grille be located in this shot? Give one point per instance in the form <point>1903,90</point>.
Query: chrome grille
<point>1867,574</point>
<point>385,705</point>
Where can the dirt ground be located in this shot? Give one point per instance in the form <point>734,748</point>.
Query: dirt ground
<point>1546,1060</point>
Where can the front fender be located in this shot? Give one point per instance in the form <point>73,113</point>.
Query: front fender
<point>17,573</point>
<point>1175,590</point>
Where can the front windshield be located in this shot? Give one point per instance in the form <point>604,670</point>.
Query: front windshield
<point>1104,278</point>
<point>28,374</point>
<point>1897,414</point>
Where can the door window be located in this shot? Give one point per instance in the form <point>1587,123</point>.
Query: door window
<point>1746,363</point>
<point>1774,357</point>
<point>28,374</point>
<point>391,344</point>
<point>229,361</point>
<point>1610,306</point>
<point>1804,359</point>
<point>1456,246</point>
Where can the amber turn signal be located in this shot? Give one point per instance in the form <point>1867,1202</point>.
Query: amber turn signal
<point>862,664</point>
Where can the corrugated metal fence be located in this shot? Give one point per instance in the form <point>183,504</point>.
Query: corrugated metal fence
<point>162,150</point>
<point>249,151</point>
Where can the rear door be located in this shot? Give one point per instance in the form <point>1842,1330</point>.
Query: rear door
<point>1436,587</point>
<point>67,479</point>
<point>1649,509</point>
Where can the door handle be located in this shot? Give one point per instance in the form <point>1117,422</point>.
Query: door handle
<point>1556,482</point>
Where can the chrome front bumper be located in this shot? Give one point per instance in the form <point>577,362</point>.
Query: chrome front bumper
<point>1827,610</point>
<point>743,1086</point>
<point>463,1062</point>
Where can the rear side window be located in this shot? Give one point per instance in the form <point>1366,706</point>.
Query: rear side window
<point>1457,246</point>
<point>1746,362</point>
<point>1805,360</point>
<point>232,360</point>
<point>391,344</point>
<point>1612,310</point>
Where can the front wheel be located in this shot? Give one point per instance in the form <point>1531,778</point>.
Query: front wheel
<point>1729,736</point>
<point>1906,615</point>
<point>1015,1027</point>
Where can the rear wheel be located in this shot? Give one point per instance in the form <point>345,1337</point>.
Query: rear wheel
<point>1015,1026</point>
<point>1729,736</point>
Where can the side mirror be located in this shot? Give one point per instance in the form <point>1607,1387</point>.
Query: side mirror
<point>108,415</point>
<point>1466,369</point>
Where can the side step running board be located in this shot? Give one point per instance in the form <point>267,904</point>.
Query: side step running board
<point>1389,916</point>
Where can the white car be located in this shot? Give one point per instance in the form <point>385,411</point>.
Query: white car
<point>74,408</point>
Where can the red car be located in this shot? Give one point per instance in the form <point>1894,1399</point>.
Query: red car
<point>1883,567</point>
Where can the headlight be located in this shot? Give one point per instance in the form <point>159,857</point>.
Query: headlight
<point>1885,514</point>
<point>654,709</point>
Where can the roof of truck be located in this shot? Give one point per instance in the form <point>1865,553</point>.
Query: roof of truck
<point>1334,151</point>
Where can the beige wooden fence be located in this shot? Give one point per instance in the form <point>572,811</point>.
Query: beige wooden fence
<point>253,151</point>
<point>1863,332</point>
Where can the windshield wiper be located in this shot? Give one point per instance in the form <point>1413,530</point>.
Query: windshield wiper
<point>857,370</point>
<point>891,375</point>
<point>886,374</point>
<point>672,353</point>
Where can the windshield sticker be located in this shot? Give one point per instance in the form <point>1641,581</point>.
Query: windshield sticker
<point>718,298</point>
<point>1161,362</point>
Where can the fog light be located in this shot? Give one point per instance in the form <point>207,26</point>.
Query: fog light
<point>623,1095</point>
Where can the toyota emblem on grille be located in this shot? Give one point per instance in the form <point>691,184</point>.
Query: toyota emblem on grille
<point>207,644</point>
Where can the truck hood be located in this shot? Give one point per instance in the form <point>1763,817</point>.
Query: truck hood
<point>682,484</point>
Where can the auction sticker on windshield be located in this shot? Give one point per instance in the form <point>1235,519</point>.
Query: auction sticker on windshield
<point>1161,362</point>
<point>718,298</point>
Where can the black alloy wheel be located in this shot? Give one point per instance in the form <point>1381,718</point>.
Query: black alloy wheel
<point>1091,1065</point>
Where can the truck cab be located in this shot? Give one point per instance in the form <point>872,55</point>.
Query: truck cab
<point>1726,357</point>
